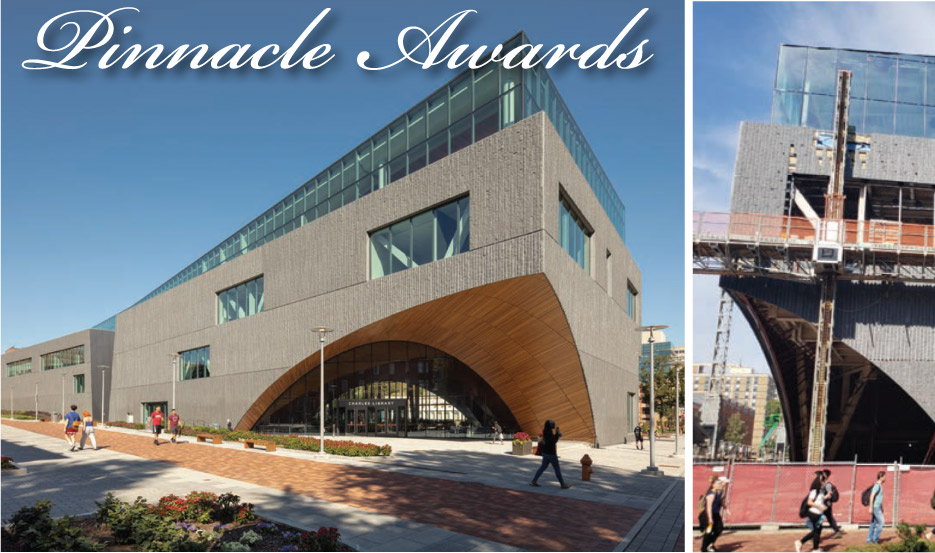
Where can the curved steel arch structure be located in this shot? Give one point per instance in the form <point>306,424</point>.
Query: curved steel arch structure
<point>512,333</point>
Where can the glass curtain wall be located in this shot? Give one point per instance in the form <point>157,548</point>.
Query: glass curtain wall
<point>573,235</point>
<point>890,93</point>
<point>240,301</point>
<point>63,358</point>
<point>19,367</point>
<point>79,383</point>
<point>471,107</point>
<point>442,397</point>
<point>195,363</point>
<point>429,236</point>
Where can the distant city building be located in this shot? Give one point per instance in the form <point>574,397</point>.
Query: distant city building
<point>744,386</point>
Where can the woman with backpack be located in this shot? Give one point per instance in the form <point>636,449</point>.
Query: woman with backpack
<point>710,518</point>
<point>813,507</point>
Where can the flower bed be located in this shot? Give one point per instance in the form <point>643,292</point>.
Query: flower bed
<point>6,463</point>
<point>335,447</point>
<point>347,448</point>
<point>201,521</point>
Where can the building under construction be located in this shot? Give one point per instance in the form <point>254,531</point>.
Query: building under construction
<point>829,251</point>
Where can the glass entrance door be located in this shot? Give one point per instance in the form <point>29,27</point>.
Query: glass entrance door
<point>149,407</point>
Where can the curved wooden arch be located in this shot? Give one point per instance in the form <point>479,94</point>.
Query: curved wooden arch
<point>512,333</point>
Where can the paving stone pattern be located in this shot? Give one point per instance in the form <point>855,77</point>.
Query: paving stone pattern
<point>521,519</point>
<point>89,475</point>
<point>663,531</point>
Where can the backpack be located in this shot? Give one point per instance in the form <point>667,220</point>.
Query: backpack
<point>834,494</point>
<point>803,508</point>
<point>865,497</point>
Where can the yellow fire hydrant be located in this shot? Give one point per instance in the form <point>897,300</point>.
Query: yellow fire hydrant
<point>586,469</point>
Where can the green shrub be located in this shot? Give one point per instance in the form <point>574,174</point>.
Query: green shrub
<point>234,546</point>
<point>34,530</point>
<point>909,538</point>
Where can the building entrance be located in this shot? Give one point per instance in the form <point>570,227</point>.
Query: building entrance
<point>392,389</point>
<point>372,417</point>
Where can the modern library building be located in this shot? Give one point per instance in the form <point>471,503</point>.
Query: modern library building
<point>470,257</point>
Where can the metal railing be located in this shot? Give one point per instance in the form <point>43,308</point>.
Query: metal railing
<point>758,228</point>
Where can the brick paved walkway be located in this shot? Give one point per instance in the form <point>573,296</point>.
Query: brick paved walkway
<point>664,529</point>
<point>523,519</point>
<point>783,540</point>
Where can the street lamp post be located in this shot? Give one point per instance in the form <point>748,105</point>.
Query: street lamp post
<point>63,395</point>
<point>321,330</point>
<point>652,468</point>
<point>175,364</point>
<point>11,402</point>
<point>678,412</point>
<point>103,387</point>
<point>37,402</point>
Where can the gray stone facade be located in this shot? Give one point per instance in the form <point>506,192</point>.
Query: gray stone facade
<point>318,274</point>
<point>98,351</point>
<point>892,325</point>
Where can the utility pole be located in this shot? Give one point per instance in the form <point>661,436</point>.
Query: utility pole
<point>827,250</point>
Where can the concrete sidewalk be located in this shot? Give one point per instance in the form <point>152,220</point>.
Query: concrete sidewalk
<point>486,505</point>
<point>74,481</point>
<point>616,480</point>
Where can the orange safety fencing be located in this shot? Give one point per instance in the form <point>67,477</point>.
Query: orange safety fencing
<point>759,227</point>
<point>771,493</point>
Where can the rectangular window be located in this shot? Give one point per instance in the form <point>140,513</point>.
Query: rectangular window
<point>79,383</point>
<point>574,234</point>
<point>19,367</point>
<point>194,363</point>
<point>425,237</point>
<point>240,301</point>
<point>63,358</point>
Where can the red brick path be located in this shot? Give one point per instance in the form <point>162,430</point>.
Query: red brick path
<point>784,540</point>
<point>527,520</point>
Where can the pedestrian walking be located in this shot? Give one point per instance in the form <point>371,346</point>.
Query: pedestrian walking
<point>931,535</point>
<point>831,497</point>
<point>72,423</point>
<point>876,509</point>
<point>638,436</point>
<point>155,421</point>
<point>550,436</point>
<point>230,426</point>
<point>175,426</point>
<point>711,518</point>
<point>813,507</point>
<point>497,432</point>
<point>87,427</point>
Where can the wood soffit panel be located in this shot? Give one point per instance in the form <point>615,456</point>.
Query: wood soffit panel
<point>512,333</point>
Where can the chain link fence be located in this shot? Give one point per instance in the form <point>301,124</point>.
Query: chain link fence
<point>771,493</point>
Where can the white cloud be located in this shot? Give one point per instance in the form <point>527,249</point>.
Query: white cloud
<point>889,27</point>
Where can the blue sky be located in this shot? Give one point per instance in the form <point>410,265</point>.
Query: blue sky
<point>114,180</point>
<point>733,75</point>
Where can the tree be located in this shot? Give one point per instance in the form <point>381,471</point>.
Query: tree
<point>773,407</point>
<point>735,431</point>
<point>666,372</point>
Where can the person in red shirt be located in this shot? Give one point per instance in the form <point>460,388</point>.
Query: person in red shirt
<point>155,420</point>
<point>175,427</point>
